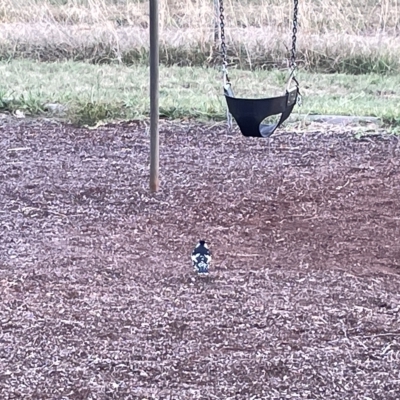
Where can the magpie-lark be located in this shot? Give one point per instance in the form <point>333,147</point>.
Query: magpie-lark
<point>201,258</point>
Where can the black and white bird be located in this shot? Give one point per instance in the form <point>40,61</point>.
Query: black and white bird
<point>201,258</point>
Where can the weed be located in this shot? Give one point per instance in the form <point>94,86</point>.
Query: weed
<point>91,113</point>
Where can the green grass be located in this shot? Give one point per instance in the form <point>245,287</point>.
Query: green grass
<point>94,93</point>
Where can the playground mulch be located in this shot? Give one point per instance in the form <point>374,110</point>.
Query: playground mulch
<point>98,297</point>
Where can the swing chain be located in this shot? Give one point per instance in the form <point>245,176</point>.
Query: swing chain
<point>293,64</point>
<point>223,44</point>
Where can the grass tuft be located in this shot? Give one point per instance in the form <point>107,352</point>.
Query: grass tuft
<point>91,113</point>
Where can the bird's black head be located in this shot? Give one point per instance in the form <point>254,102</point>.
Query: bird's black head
<point>202,242</point>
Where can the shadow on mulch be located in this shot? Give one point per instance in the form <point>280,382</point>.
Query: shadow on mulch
<point>98,300</point>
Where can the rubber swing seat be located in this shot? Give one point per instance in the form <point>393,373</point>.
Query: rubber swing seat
<point>249,113</point>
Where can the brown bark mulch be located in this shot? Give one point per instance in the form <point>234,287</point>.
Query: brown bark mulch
<point>98,297</point>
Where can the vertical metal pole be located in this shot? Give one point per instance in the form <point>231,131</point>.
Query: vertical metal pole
<point>154,97</point>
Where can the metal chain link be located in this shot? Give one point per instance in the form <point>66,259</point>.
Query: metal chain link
<point>293,64</point>
<point>223,44</point>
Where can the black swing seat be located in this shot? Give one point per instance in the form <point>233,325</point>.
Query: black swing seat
<point>249,113</point>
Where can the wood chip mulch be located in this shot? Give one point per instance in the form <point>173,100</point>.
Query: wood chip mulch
<point>98,297</point>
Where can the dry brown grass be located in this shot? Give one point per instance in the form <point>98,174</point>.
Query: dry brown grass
<point>358,32</point>
<point>346,16</point>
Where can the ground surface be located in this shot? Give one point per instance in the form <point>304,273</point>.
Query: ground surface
<point>98,300</point>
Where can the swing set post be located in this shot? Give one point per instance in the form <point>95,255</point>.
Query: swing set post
<point>154,97</point>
